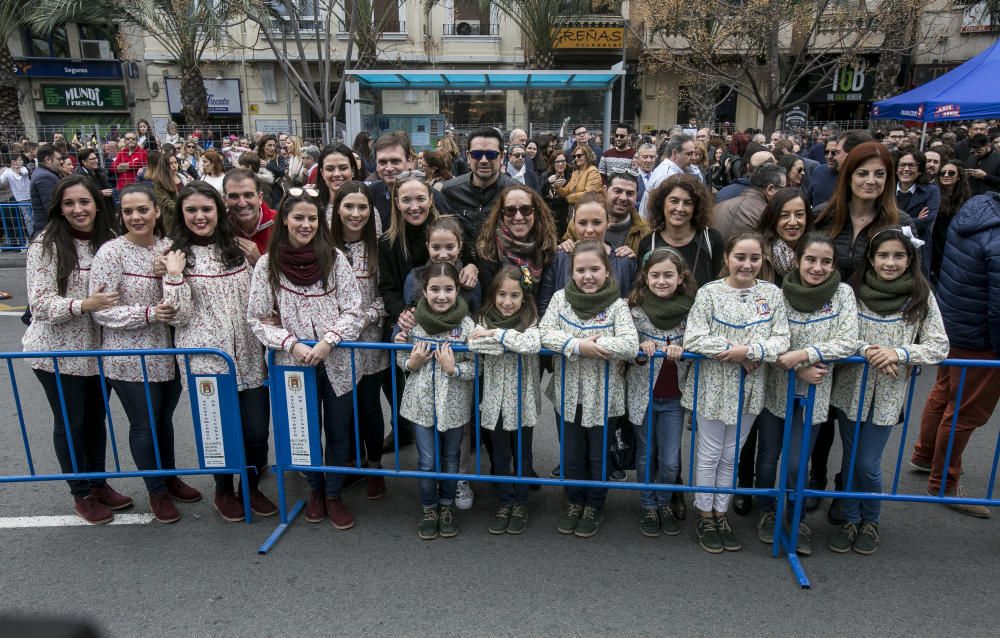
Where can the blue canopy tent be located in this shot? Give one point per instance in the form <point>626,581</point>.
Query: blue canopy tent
<point>964,93</point>
<point>477,80</point>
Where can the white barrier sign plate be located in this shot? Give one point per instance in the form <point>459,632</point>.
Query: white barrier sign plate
<point>298,418</point>
<point>212,445</point>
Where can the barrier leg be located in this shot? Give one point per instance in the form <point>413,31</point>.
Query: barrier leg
<point>287,518</point>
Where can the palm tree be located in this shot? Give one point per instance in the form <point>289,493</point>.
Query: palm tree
<point>184,28</point>
<point>11,20</point>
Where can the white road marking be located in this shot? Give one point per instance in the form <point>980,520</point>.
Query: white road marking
<point>22,522</point>
<point>11,313</point>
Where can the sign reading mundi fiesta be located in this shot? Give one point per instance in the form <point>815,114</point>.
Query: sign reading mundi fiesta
<point>83,96</point>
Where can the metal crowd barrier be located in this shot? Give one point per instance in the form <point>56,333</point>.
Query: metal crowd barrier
<point>15,226</point>
<point>215,412</point>
<point>297,437</point>
<point>788,541</point>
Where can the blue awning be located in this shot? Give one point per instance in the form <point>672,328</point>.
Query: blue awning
<point>964,93</point>
<point>479,80</point>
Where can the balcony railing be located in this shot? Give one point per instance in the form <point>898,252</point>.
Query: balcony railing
<point>463,28</point>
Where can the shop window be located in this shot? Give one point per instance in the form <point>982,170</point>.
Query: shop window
<point>54,45</point>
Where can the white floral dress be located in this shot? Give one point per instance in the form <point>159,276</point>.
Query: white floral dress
<point>637,375</point>
<point>501,398</point>
<point>430,394</point>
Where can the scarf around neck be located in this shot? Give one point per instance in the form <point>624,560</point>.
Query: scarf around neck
<point>665,314</point>
<point>495,319</point>
<point>587,305</point>
<point>299,265</point>
<point>806,298</point>
<point>782,257</point>
<point>517,175</point>
<point>522,253</point>
<point>886,297</point>
<point>435,323</point>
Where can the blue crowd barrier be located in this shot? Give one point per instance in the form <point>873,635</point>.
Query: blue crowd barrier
<point>297,445</point>
<point>15,226</point>
<point>215,412</point>
<point>788,540</point>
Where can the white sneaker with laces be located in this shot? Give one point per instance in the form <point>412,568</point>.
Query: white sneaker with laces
<point>464,496</point>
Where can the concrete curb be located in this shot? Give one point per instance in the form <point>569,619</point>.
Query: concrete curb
<point>12,259</point>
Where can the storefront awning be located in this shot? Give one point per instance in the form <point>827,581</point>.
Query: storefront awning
<point>509,80</point>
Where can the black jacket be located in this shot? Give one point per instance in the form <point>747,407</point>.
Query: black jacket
<point>850,249</point>
<point>991,165</point>
<point>43,183</point>
<point>472,204</point>
<point>381,195</point>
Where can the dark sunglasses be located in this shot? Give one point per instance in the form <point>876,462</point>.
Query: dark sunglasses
<point>479,155</point>
<point>619,136</point>
<point>949,173</point>
<point>517,154</point>
<point>511,211</point>
<point>578,155</point>
<point>833,152</point>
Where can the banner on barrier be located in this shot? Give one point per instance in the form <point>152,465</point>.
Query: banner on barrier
<point>295,412</point>
<point>216,410</point>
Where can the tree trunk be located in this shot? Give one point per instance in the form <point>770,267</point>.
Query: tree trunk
<point>771,115</point>
<point>10,112</point>
<point>194,98</point>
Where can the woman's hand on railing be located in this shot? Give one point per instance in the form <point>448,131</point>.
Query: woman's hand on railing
<point>814,374</point>
<point>791,359</point>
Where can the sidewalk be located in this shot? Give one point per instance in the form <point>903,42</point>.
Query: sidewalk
<point>12,259</point>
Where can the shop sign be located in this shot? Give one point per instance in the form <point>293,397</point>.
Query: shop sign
<point>223,96</point>
<point>588,37</point>
<point>83,96</point>
<point>60,68</point>
<point>796,116</point>
<point>849,84</point>
<point>976,18</point>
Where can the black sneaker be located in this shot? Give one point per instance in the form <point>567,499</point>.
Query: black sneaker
<point>867,541</point>
<point>669,524</point>
<point>590,522</point>
<point>729,541</point>
<point>649,522</point>
<point>843,539</point>
<point>428,530</point>
<point>708,535</point>
<point>570,519</point>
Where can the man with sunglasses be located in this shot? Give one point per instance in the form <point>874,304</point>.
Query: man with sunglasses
<point>129,160</point>
<point>519,169</point>
<point>471,196</point>
<point>254,218</point>
<point>582,136</point>
<point>621,155</point>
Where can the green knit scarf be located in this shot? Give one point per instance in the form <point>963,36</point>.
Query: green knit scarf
<point>806,298</point>
<point>886,297</point>
<point>664,314</point>
<point>435,323</point>
<point>495,319</point>
<point>587,305</point>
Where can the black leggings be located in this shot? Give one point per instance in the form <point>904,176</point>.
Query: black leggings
<point>371,425</point>
<point>86,413</point>
<point>255,411</point>
<point>163,396</point>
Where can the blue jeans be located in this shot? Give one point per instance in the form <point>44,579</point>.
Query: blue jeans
<point>867,467</point>
<point>337,413</point>
<point>433,491</point>
<point>665,449</point>
<point>583,451</point>
<point>770,436</point>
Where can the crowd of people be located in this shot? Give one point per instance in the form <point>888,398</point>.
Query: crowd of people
<point>768,259</point>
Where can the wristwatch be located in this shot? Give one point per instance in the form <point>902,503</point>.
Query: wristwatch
<point>330,339</point>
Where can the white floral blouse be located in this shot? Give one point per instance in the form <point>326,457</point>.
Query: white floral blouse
<point>723,315</point>
<point>431,394</point>
<point>127,268</point>
<point>562,331</point>
<point>373,311</point>
<point>637,374</point>
<point>211,301</point>
<point>58,321</point>
<point>499,365</point>
<point>309,313</point>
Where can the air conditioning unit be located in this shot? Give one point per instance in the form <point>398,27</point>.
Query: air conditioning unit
<point>96,49</point>
<point>467,27</point>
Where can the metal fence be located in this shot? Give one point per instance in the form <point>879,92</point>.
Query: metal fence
<point>16,222</point>
<point>215,413</point>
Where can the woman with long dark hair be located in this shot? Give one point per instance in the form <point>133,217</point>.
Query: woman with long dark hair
<point>787,218</point>
<point>210,292</point>
<point>140,319</point>
<point>58,271</point>
<point>337,165</point>
<point>955,191</point>
<point>312,287</point>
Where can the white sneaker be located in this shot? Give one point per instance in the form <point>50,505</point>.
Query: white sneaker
<point>464,496</point>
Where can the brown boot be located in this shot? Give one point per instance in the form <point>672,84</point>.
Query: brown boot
<point>91,510</point>
<point>316,509</point>
<point>339,515</point>
<point>163,508</point>
<point>229,507</point>
<point>181,491</point>
<point>107,496</point>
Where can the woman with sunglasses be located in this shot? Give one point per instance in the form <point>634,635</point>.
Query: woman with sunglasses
<point>585,178</point>
<point>518,232</point>
<point>556,177</point>
<point>955,192</point>
<point>191,158</point>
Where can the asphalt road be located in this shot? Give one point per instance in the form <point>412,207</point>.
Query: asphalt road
<point>934,573</point>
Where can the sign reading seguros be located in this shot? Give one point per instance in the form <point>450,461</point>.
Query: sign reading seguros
<point>588,37</point>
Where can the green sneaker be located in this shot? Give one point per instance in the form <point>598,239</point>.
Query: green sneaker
<point>428,524</point>
<point>669,524</point>
<point>518,519</point>
<point>590,522</point>
<point>765,528</point>
<point>803,545</point>
<point>729,541</point>
<point>570,519</point>
<point>500,519</point>
<point>649,522</point>
<point>867,541</point>
<point>708,535</point>
<point>843,539</point>
<point>447,526</point>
